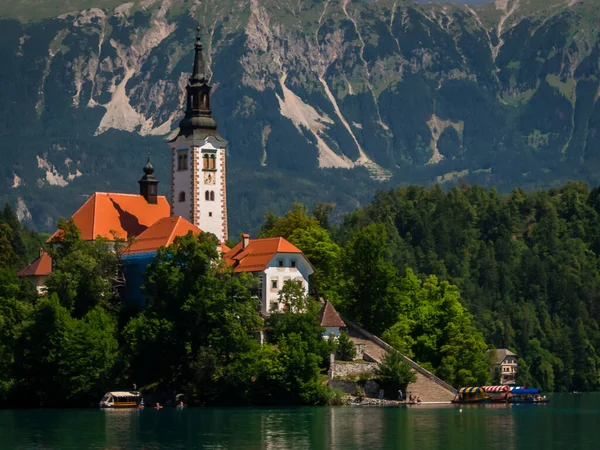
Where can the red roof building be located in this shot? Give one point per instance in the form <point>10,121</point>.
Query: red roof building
<point>38,271</point>
<point>161,234</point>
<point>273,261</point>
<point>256,254</point>
<point>329,317</point>
<point>110,215</point>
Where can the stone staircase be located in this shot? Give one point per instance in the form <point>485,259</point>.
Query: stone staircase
<point>429,387</point>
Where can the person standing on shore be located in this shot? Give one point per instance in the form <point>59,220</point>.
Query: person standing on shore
<point>400,395</point>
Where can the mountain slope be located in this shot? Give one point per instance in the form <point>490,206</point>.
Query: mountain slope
<point>319,100</point>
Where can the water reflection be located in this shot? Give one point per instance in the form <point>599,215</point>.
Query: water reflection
<point>567,423</point>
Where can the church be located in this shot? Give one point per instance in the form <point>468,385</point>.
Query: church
<point>197,202</point>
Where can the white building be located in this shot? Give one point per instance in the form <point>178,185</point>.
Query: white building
<point>198,180</point>
<point>330,320</point>
<point>274,261</point>
<point>507,365</point>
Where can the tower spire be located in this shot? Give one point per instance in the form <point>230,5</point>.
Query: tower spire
<point>198,72</point>
<point>198,121</point>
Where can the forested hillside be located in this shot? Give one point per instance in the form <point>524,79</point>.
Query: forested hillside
<point>525,266</point>
<point>443,276</point>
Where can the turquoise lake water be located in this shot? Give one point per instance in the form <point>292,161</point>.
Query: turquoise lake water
<point>569,422</point>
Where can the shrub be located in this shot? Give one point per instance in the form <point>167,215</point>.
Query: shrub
<point>394,372</point>
<point>346,350</point>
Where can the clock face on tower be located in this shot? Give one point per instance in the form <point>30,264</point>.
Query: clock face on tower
<point>209,178</point>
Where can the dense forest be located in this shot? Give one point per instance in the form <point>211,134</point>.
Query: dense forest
<point>443,276</point>
<point>524,265</point>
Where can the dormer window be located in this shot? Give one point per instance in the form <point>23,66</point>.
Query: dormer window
<point>293,264</point>
<point>280,262</point>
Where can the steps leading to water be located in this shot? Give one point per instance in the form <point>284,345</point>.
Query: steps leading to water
<point>428,386</point>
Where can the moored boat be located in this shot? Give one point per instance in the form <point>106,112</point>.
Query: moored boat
<point>120,399</point>
<point>498,394</point>
<point>468,395</point>
<point>523,394</point>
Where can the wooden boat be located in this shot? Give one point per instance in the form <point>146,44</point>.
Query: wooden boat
<point>120,399</point>
<point>498,394</point>
<point>471,395</point>
<point>525,395</point>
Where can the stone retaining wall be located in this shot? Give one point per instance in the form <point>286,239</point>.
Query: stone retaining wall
<point>351,368</point>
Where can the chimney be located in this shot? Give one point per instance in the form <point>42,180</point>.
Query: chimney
<point>245,240</point>
<point>41,251</point>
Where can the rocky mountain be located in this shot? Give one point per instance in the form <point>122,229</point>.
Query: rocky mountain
<point>319,100</point>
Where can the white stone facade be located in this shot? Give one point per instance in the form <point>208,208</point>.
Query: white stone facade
<point>283,267</point>
<point>198,184</point>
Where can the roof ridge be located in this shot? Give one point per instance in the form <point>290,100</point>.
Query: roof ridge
<point>177,219</point>
<point>95,204</point>
<point>121,193</point>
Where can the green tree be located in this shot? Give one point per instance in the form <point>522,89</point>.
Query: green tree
<point>346,350</point>
<point>394,373</point>
<point>199,321</point>
<point>372,296</point>
<point>85,274</point>
<point>297,218</point>
<point>61,360</point>
<point>292,296</point>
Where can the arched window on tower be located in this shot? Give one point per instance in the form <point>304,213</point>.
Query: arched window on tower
<point>182,162</point>
<point>205,162</point>
<point>213,160</point>
<point>207,195</point>
<point>212,196</point>
<point>181,197</point>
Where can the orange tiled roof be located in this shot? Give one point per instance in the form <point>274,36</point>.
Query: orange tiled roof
<point>39,267</point>
<point>127,214</point>
<point>329,317</point>
<point>257,255</point>
<point>162,234</point>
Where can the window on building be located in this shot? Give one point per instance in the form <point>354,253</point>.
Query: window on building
<point>212,196</point>
<point>293,263</point>
<point>274,284</point>
<point>207,195</point>
<point>209,214</point>
<point>182,197</point>
<point>205,162</point>
<point>280,263</point>
<point>213,161</point>
<point>182,160</point>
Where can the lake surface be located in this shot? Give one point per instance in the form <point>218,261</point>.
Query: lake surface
<point>569,422</point>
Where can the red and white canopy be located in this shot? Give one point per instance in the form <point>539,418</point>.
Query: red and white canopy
<point>496,388</point>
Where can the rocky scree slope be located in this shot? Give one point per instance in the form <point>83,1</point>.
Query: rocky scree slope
<point>319,100</point>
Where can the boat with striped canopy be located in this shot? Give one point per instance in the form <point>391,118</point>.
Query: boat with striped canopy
<point>498,394</point>
<point>471,394</point>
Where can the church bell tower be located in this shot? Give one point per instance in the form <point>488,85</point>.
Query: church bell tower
<point>198,190</point>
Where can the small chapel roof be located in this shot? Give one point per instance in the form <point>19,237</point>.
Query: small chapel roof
<point>258,253</point>
<point>126,214</point>
<point>39,267</point>
<point>162,234</point>
<point>329,317</point>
